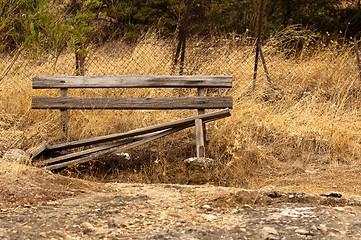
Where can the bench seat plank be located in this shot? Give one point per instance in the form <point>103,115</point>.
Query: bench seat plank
<point>132,103</point>
<point>193,81</point>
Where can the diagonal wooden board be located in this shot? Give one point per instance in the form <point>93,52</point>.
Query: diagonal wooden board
<point>124,141</point>
<point>121,148</point>
<point>140,131</point>
<point>74,155</point>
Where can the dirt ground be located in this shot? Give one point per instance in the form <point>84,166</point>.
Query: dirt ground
<point>88,210</point>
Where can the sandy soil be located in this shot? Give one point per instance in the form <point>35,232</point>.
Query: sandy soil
<point>144,211</point>
<point>308,202</point>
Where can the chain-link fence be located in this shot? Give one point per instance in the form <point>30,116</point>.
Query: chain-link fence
<point>234,55</point>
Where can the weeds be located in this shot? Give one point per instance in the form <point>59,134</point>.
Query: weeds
<point>313,118</point>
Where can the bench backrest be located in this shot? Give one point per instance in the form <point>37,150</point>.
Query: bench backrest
<point>197,102</point>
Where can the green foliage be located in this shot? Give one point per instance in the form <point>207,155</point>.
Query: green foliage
<point>15,22</point>
<point>321,15</point>
<point>34,22</point>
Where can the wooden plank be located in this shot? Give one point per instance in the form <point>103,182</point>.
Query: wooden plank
<point>202,111</point>
<point>84,152</point>
<point>199,138</point>
<point>37,150</point>
<point>122,148</point>
<point>216,81</point>
<point>132,103</point>
<point>117,136</point>
<point>101,148</point>
<point>201,94</point>
<point>64,115</point>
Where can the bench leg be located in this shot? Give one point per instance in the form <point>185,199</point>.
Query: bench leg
<point>200,138</point>
<point>64,116</point>
<point>64,122</point>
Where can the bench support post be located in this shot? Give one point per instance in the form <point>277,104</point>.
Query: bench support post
<point>202,111</point>
<point>64,116</point>
<point>199,138</point>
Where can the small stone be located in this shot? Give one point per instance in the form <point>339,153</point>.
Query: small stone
<point>235,211</point>
<point>275,194</point>
<point>210,217</point>
<point>303,232</point>
<point>323,228</point>
<point>314,228</point>
<point>87,227</point>
<point>269,233</point>
<point>270,230</point>
<point>117,222</point>
<point>340,209</point>
<point>207,207</point>
<point>17,156</point>
<point>332,194</point>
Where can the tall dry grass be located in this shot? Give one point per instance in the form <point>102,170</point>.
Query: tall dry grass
<point>310,117</point>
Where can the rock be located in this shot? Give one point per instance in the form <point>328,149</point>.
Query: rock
<point>332,194</point>
<point>207,207</point>
<point>200,170</point>
<point>16,155</point>
<point>340,209</point>
<point>210,217</point>
<point>235,211</point>
<point>270,230</point>
<point>269,233</point>
<point>87,227</point>
<point>323,228</point>
<point>118,222</point>
<point>303,232</point>
<point>275,194</point>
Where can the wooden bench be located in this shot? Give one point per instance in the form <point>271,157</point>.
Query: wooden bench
<point>64,103</point>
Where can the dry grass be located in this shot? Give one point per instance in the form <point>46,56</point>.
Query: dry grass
<point>310,123</point>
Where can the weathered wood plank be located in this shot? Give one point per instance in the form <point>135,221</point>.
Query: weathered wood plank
<point>42,82</point>
<point>117,136</point>
<point>132,103</point>
<point>70,156</point>
<point>37,150</point>
<point>121,148</point>
<point>202,111</point>
<point>84,152</point>
<point>199,138</point>
<point>64,115</point>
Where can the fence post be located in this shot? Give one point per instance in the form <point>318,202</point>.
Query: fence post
<point>182,38</point>
<point>258,41</point>
<point>265,67</point>
<point>79,59</point>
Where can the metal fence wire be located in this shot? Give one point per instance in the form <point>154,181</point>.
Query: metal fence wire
<point>152,55</point>
<point>149,56</point>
